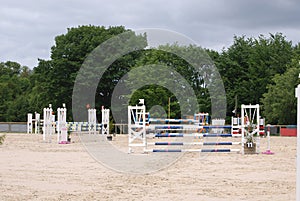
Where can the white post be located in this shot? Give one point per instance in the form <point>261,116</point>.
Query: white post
<point>243,127</point>
<point>53,123</point>
<point>92,121</point>
<point>105,121</point>
<point>297,93</point>
<point>268,151</point>
<point>62,131</point>
<point>47,125</point>
<point>29,123</point>
<point>37,123</point>
<point>257,128</point>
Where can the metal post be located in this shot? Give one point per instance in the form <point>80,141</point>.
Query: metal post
<point>297,93</point>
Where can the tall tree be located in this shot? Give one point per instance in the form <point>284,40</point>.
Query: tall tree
<point>54,79</point>
<point>14,87</point>
<point>279,102</point>
<point>249,65</point>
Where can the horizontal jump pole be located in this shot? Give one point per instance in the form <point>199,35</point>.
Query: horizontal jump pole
<point>172,120</point>
<point>169,135</point>
<point>194,150</point>
<point>168,127</point>
<point>194,143</point>
<point>215,126</point>
<point>81,124</point>
<point>196,135</point>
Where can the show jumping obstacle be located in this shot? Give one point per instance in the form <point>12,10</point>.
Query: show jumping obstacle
<point>236,126</point>
<point>63,127</point>
<point>250,128</point>
<point>36,124</point>
<point>137,127</point>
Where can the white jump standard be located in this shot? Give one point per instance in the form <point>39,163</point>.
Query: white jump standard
<point>250,127</point>
<point>137,126</point>
<point>62,129</point>
<point>36,124</point>
<point>92,119</point>
<point>48,124</point>
<point>105,121</point>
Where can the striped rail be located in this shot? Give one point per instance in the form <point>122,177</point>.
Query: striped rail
<point>193,150</point>
<point>194,134</point>
<point>194,143</point>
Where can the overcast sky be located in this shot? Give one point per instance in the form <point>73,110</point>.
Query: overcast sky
<point>28,27</point>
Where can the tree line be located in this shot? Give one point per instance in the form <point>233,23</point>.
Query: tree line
<point>262,70</point>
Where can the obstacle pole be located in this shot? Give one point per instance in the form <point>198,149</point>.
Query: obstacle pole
<point>297,94</point>
<point>268,151</point>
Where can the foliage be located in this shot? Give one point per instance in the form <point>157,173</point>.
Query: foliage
<point>54,79</point>
<point>280,103</point>
<point>172,75</point>
<point>249,65</point>
<point>260,70</point>
<point>2,138</point>
<point>14,86</point>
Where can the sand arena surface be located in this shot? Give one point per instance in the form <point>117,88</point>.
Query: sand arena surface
<point>33,170</point>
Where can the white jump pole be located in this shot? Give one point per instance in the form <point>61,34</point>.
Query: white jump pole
<point>268,151</point>
<point>297,93</point>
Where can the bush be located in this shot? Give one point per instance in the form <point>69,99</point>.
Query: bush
<point>2,137</point>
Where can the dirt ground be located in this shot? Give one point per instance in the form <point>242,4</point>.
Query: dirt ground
<point>33,170</point>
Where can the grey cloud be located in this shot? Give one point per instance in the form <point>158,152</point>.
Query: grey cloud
<point>28,28</point>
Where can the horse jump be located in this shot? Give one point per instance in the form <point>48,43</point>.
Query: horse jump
<point>137,127</point>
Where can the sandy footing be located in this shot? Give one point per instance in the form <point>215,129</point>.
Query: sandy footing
<point>33,170</point>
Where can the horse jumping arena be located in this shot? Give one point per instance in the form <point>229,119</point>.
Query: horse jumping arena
<point>31,169</point>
